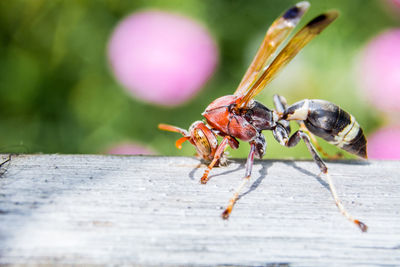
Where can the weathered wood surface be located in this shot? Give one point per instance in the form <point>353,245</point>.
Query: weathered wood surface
<point>88,209</point>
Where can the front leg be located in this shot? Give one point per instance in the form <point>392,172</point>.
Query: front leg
<point>218,154</point>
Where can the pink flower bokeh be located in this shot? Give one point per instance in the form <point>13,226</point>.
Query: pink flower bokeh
<point>379,71</point>
<point>162,58</point>
<point>129,148</point>
<point>392,7</point>
<point>385,143</point>
<point>379,78</point>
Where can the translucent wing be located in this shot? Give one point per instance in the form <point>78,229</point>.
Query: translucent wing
<point>276,34</point>
<point>303,37</point>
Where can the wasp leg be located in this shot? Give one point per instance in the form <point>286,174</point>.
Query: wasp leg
<point>294,140</point>
<point>363,227</point>
<point>281,134</point>
<point>170,128</point>
<point>4,162</point>
<point>249,166</point>
<point>314,141</point>
<point>218,154</point>
<point>281,105</point>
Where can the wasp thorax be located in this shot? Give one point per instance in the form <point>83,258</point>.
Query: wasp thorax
<point>258,115</point>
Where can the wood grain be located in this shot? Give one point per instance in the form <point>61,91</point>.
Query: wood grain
<point>143,210</point>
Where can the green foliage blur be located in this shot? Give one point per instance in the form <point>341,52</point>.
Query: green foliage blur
<point>58,94</point>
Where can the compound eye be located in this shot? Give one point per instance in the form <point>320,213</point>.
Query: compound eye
<point>202,143</point>
<point>204,140</point>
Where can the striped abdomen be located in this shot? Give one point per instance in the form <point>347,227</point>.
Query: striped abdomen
<point>330,122</point>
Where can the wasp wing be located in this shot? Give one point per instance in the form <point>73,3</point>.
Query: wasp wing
<point>276,34</point>
<point>303,37</point>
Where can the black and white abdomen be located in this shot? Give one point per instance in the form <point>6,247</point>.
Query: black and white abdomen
<point>330,122</point>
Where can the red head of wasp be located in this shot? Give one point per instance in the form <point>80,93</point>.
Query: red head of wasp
<point>239,116</point>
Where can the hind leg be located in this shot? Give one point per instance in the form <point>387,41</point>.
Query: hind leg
<point>293,141</point>
<point>314,141</point>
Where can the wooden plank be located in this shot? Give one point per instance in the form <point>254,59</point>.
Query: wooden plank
<point>94,209</point>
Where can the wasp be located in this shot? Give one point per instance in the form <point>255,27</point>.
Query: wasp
<point>240,117</point>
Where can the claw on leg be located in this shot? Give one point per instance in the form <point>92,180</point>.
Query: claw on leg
<point>204,178</point>
<point>232,201</point>
<point>363,227</point>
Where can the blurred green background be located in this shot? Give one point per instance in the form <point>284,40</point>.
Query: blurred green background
<point>58,94</point>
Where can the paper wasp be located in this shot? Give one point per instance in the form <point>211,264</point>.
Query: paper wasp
<point>238,116</point>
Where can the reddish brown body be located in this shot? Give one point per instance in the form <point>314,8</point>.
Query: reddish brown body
<point>220,115</point>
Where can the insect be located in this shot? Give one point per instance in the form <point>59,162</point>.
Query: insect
<point>240,117</point>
